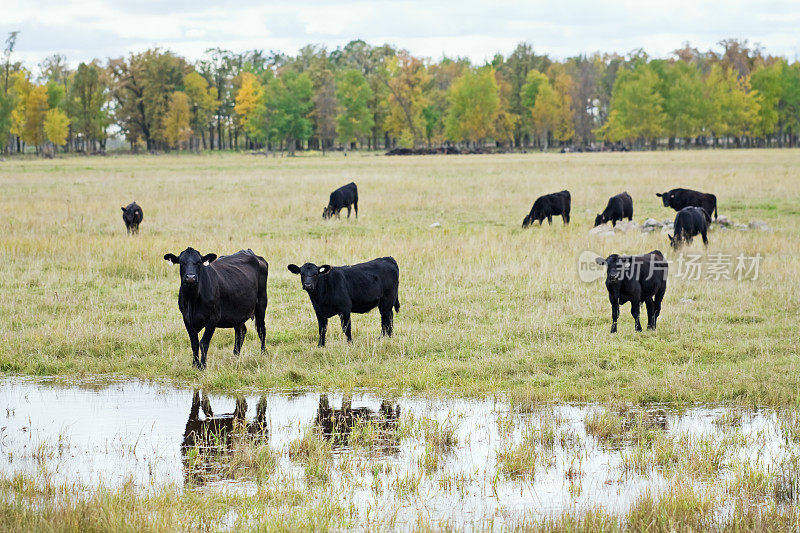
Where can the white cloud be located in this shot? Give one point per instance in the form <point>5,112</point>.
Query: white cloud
<point>87,29</point>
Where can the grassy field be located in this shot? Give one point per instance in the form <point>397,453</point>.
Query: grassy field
<point>486,306</point>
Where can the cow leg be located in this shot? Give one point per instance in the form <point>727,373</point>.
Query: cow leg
<point>348,211</point>
<point>355,207</point>
<point>323,327</point>
<point>345,318</point>
<point>705,239</point>
<point>636,305</point>
<point>566,218</point>
<point>614,312</point>
<point>195,344</point>
<point>657,306</point>
<point>261,328</point>
<point>651,321</point>
<point>387,316</point>
<point>204,342</point>
<point>240,332</point>
<point>549,220</point>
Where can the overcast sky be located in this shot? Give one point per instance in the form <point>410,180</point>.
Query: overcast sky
<point>86,29</point>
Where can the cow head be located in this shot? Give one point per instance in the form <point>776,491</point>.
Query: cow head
<point>526,221</point>
<point>617,266</point>
<point>666,197</point>
<point>191,262</point>
<point>327,212</point>
<point>674,242</point>
<point>309,274</point>
<point>599,220</point>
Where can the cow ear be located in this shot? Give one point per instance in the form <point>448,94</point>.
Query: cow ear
<point>123,209</point>
<point>171,258</point>
<point>659,194</point>
<point>294,269</point>
<point>599,260</point>
<point>324,269</point>
<point>209,258</point>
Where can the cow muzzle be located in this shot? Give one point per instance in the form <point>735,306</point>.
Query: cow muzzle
<point>190,279</point>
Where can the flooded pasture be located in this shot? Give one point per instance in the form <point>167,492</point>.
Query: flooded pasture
<point>394,460</point>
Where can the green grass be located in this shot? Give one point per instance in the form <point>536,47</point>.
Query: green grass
<point>486,306</point>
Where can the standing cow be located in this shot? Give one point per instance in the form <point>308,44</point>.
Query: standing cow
<point>548,206</point>
<point>690,221</point>
<point>351,289</point>
<point>635,279</point>
<point>619,206</point>
<point>132,216</point>
<point>221,293</point>
<point>344,196</point>
<point>677,199</point>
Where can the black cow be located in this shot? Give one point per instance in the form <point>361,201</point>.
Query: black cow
<point>351,289</point>
<point>677,199</point>
<point>619,206</point>
<point>633,279</point>
<point>548,206</point>
<point>344,196</point>
<point>221,294</point>
<point>690,221</point>
<point>132,216</point>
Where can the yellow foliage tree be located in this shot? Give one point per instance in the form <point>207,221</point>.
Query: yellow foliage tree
<point>177,130</point>
<point>35,112</point>
<point>248,99</point>
<point>56,127</point>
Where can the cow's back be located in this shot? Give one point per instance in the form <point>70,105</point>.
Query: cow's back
<point>237,278</point>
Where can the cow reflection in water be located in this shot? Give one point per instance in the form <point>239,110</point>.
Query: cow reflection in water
<point>338,425</point>
<point>209,443</point>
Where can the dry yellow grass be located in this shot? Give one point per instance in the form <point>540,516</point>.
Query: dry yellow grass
<point>486,306</point>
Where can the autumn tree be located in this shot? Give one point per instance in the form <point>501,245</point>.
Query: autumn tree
<point>637,107</point>
<point>177,129</point>
<point>56,127</point>
<point>407,83</point>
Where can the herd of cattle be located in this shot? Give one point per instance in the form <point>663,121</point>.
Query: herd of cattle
<point>225,292</point>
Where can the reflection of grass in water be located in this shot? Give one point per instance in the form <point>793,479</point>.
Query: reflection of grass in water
<point>614,427</point>
<point>315,453</point>
<point>439,438</point>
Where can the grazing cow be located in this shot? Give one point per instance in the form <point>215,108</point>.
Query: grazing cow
<point>221,293</point>
<point>344,196</point>
<point>690,221</point>
<point>132,215</point>
<point>548,206</point>
<point>351,289</point>
<point>619,207</point>
<point>677,199</point>
<point>633,279</point>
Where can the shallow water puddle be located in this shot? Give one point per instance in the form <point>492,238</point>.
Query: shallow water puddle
<point>388,459</point>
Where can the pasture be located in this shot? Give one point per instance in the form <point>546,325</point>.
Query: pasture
<point>485,306</point>
<point>516,407</point>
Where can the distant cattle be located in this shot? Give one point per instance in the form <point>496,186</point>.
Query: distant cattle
<point>690,221</point>
<point>548,206</point>
<point>619,206</point>
<point>221,293</point>
<point>344,196</point>
<point>635,279</point>
<point>351,289</point>
<point>677,199</point>
<point>132,216</point>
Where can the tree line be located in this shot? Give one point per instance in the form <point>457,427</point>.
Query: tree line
<point>380,97</point>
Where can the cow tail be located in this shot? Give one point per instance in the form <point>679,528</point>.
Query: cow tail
<point>715,209</point>
<point>397,304</point>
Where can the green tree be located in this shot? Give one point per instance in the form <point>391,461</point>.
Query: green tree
<point>87,99</point>
<point>637,107</point>
<point>474,104</point>
<point>290,100</point>
<point>734,106</point>
<point>354,120</point>
<point>203,103</point>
